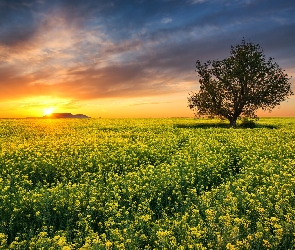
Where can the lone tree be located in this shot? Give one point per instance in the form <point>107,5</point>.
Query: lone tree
<point>239,85</point>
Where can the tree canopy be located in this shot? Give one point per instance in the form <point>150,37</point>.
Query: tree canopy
<point>240,84</point>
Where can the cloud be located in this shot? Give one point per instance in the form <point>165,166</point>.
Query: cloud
<point>166,20</point>
<point>148,103</point>
<point>96,49</point>
<point>46,101</point>
<point>17,22</point>
<point>197,1</point>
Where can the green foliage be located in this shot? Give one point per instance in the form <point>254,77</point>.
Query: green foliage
<point>247,123</point>
<point>146,184</point>
<point>239,85</point>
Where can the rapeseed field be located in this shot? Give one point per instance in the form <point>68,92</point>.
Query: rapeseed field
<point>146,184</point>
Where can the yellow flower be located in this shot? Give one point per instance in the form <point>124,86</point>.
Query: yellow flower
<point>229,246</point>
<point>66,248</point>
<point>109,245</point>
<point>3,239</point>
<point>266,244</point>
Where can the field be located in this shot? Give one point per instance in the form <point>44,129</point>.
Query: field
<point>146,184</point>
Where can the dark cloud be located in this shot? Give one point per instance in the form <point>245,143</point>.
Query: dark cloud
<point>96,49</point>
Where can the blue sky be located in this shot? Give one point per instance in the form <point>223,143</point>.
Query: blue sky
<point>93,56</point>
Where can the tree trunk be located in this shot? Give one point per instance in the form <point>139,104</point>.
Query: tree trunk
<point>233,122</point>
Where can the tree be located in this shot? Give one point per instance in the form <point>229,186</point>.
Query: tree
<point>239,85</point>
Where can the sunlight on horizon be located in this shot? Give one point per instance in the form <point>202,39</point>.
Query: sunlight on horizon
<point>48,111</point>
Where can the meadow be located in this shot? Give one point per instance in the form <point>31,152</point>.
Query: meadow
<point>178,183</point>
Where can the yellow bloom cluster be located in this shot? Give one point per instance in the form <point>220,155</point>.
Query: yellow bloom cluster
<point>146,184</point>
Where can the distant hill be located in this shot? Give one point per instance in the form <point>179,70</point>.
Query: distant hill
<point>65,115</point>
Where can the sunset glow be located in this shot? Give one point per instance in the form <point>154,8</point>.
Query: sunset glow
<point>48,111</point>
<point>128,58</point>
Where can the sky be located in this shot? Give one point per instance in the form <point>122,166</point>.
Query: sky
<point>132,58</point>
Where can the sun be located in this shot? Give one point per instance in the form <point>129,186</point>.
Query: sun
<point>48,111</point>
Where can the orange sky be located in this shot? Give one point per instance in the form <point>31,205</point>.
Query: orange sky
<point>159,106</point>
<point>128,59</point>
